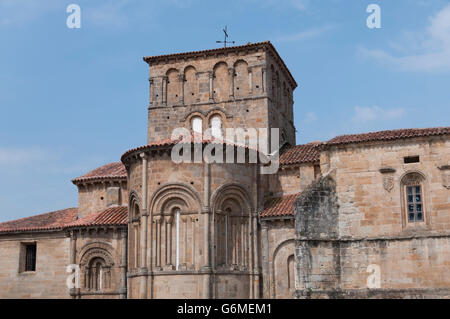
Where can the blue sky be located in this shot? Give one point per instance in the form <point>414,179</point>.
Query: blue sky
<point>74,99</point>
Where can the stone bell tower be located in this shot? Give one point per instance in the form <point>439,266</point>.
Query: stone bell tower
<point>245,87</point>
<point>193,226</point>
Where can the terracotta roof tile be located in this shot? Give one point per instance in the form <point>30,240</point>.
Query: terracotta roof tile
<point>111,170</point>
<point>307,153</point>
<point>280,206</point>
<point>110,216</point>
<point>388,135</point>
<point>194,138</point>
<point>50,221</point>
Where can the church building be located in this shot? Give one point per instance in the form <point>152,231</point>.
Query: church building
<point>358,216</point>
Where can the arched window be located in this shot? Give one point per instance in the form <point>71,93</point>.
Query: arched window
<point>98,275</point>
<point>197,124</point>
<point>231,238</point>
<point>413,197</point>
<point>177,238</point>
<point>216,126</point>
<point>134,240</point>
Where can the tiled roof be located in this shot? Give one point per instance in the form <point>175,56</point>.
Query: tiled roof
<point>388,135</point>
<point>111,170</point>
<point>183,55</point>
<point>280,206</point>
<point>307,153</point>
<point>108,217</point>
<point>50,221</point>
<point>194,138</point>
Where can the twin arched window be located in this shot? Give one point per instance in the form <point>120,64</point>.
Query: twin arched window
<point>215,125</point>
<point>98,275</point>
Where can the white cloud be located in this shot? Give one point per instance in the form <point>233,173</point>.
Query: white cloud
<point>373,113</point>
<point>305,34</point>
<point>432,47</point>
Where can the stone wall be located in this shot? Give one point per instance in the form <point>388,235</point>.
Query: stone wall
<point>96,197</point>
<point>277,238</point>
<point>352,226</point>
<point>184,200</point>
<point>233,86</point>
<point>49,279</point>
<point>105,243</point>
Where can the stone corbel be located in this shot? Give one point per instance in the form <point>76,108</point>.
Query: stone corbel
<point>387,170</point>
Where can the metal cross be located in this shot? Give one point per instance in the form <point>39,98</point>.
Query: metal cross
<point>225,39</point>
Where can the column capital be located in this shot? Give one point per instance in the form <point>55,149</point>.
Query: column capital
<point>143,155</point>
<point>168,219</point>
<point>157,219</point>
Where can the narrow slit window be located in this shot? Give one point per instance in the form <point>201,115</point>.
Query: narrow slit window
<point>30,257</point>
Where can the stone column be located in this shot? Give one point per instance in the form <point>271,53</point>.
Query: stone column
<point>123,265</point>
<point>168,220</point>
<point>164,90</point>
<point>150,80</point>
<point>231,74</point>
<point>181,79</point>
<point>193,218</point>
<point>256,253</point>
<point>158,242</point>
<point>184,219</point>
<point>73,260</point>
<point>265,257</point>
<point>211,88</point>
<point>250,81</point>
<point>206,220</point>
<point>264,80</point>
<point>144,269</point>
<point>242,242</point>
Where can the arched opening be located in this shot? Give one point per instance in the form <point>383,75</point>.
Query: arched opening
<point>98,275</point>
<point>413,197</point>
<point>197,124</point>
<point>241,79</point>
<point>216,126</point>
<point>190,85</point>
<point>173,87</point>
<point>221,82</point>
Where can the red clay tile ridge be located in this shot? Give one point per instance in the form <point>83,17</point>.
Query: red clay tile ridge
<point>389,135</point>
<point>113,216</point>
<point>111,171</point>
<point>266,45</point>
<point>280,206</point>
<point>53,221</point>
